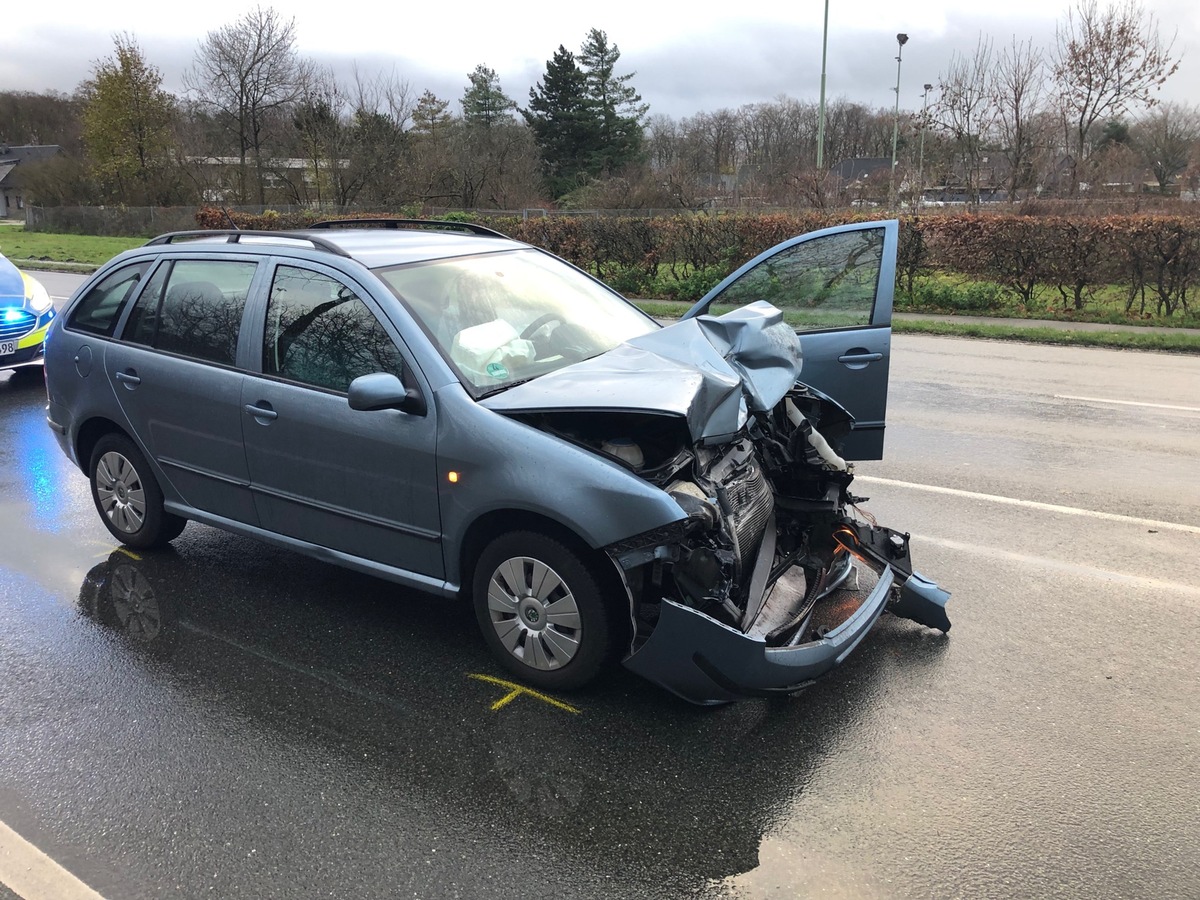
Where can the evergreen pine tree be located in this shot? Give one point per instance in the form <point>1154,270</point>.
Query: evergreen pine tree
<point>616,105</point>
<point>563,123</point>
<point>484,102</point>
<point>430,116</point>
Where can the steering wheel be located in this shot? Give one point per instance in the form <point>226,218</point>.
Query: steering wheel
<point>538,324</point>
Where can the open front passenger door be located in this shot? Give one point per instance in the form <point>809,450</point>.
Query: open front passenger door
<point>835,288</point>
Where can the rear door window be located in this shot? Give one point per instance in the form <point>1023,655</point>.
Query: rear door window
<point>193,307</point>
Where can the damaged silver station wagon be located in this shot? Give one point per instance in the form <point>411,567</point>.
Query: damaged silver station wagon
<point>465,414</point>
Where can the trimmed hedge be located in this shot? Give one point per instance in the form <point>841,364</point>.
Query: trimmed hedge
<point>1157,257</point>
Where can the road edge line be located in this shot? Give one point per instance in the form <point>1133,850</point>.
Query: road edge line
<point>32,875</point>
<point>1031,504</point>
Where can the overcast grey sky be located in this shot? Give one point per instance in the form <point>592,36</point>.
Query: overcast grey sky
<point>706,58</point>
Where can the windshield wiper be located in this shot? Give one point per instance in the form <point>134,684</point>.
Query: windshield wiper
<point>499,389</point>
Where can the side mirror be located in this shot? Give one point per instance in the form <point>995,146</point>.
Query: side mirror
<point>382,390</point>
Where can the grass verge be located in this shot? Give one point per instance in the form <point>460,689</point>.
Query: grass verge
<point>1115,340</point>
<point>945,294</point>
<point>69,252</point>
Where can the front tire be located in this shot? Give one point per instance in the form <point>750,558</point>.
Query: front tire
<point>128,497</point>
<point>542,611</point>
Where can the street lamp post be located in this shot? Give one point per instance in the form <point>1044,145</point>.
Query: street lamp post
<point>901,40</point>
<point>821,111</point>
<point>921,153</point>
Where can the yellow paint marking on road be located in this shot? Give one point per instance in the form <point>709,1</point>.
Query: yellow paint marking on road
<point>109,551</point>
<point>516,690</point>
<point>29,873</point>
<point>505,700</point>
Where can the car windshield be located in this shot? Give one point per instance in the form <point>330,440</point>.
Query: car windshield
<point>503,318</point>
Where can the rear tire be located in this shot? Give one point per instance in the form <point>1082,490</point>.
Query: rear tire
<point>128,497</point>
<point>541,610</point>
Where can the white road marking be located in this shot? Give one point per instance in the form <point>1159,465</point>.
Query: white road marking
<point>1033,504</point>
<point>1128,403</point>
<point>1026,559</point>
<point>31,874</point>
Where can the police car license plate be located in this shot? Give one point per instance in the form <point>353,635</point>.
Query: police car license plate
<point>7,348</point>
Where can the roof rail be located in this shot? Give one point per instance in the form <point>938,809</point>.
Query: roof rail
<point>381,222</point>
<point>235,237</point>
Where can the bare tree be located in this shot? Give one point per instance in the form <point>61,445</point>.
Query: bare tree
<point>672,165</point>
<point>662,141</point>
<point>44,118</point>
<point>495,166</point>
<point>388,94</point>
<point>1167,137</point>
<point>1017,94</point>
<point>778,140</point>
<point>379,148</point>
<point>710,144</point>
<point>1106,62</point>
<point>852,131</point>
<point>319,120</point>
<point>965,111</point>
<point>246,72</point>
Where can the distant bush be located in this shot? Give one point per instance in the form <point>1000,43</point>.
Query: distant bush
<point>942,295</point>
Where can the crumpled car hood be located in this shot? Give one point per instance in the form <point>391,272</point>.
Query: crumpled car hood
<point>708,370</point>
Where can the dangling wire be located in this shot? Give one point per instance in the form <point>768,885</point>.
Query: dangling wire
<point>866,515</point>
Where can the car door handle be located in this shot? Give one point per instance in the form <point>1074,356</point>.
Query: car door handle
<point>858,358</point>
<point>262,412</point>
<point>129,378</point>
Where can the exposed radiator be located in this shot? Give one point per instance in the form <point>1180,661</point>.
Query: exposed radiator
<point>751,502</point>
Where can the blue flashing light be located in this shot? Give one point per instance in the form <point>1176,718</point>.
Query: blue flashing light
<point>15,315</point>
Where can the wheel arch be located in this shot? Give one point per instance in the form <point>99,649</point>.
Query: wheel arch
<point>89,435</point>
<point>495,523</point>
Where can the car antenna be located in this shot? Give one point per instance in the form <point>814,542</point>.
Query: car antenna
<point>229,219</point>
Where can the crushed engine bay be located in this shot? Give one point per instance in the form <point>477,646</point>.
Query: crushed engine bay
<point>769,525</point>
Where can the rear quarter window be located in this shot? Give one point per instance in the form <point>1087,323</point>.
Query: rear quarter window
<point>101,307</point>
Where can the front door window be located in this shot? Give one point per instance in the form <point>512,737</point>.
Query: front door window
<point>320,333</point>
<point>827,283</point>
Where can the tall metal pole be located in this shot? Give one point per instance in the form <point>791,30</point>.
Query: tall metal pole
<point>921,153</point>
<point>901,40</point>
<point>821,109</point>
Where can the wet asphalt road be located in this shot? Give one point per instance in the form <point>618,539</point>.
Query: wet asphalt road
<point>229,720</point>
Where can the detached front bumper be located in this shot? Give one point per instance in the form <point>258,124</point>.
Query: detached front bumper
<point>707,662</point>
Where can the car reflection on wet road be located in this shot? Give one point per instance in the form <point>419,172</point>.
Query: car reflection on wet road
<point>230,719</point>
